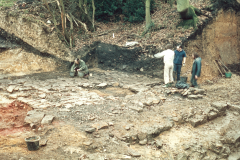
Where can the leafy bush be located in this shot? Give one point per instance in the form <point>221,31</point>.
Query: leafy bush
<point>133,10</point>
<point>105,9</point>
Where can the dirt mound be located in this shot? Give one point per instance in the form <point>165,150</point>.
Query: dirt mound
<point>12,117</point>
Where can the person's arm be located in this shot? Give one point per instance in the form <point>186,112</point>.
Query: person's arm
<point>83,65</point>
<point>159,55</point>
<point>184,58</point>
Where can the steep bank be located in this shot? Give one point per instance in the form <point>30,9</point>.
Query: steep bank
<point>35,32</point>
<point>220,39</point>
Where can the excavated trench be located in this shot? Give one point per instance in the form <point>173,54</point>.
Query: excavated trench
<point>214,42</point>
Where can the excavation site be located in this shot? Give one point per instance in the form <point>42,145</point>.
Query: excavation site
<point>122,109</point>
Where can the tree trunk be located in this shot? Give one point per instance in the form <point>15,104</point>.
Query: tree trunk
<point>148,17</point>
<point>93,15</point>
<point>63,17</point>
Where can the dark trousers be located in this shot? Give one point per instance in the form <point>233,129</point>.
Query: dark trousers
<point>177,70</point>
<point>194,81</point>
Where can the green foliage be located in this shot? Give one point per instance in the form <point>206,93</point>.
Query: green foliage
<point>105,9</point>
<point>191,20</point>
<point>133,10</point>
<point>7,3</point>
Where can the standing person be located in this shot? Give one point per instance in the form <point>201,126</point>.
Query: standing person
<point>168,64</point>
<point>196,69</point>
<point>79,68</point>
<point>179,61</point>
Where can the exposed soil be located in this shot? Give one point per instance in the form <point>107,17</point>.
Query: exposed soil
<point>12,117</point>
<point>66,136</point>
<point>235,68</point>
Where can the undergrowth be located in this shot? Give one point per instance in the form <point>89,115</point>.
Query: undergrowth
<point>192,19</point>
<point>7,3</point>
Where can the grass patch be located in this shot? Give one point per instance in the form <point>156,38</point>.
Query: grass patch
<point>7,3</point>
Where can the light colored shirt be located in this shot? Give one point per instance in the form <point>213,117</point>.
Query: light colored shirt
<point>167,54</point>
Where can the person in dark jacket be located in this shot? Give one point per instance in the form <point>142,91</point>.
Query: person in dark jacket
<point>179,61</point>
<point>196,70</point>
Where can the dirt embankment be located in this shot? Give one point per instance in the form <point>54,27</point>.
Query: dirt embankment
<point>218,40</point>
<point>34,32</point>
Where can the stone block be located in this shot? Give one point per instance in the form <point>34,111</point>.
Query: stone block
<point>47,119</point>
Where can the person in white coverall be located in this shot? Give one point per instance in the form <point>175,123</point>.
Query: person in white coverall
<point>168,63</point>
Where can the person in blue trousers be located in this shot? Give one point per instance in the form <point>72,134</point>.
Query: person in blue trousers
<point>179,61</point>
<point>196,70</point>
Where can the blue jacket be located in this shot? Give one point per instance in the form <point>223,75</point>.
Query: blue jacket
<point>178,57</point>
<point>196,68</point>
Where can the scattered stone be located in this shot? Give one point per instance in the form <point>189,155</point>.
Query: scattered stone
<point>148,102</point>
<point>13,96</point>
<point>194,96</point>
<point>127,128</point>
<point>88,143</point>
<point>11,88</point>
<point>135,108</point>
<point>64,110</point>
<point>231,137</point>
<point>159,144</point>
<point>199,91</point>
<point>234,156</point>
<point>124,157</point>
<point>235,108</point>
<point>143,142</point>
<point>154,130</point>
<point>142,136</point>
<point>156,101</point>
<point>34,117</point>
<point>110,124</point>
<point>134,153</point>
<point>141,69</point>
<point>42,96</point>
<point>102,85</point>
<point>68,105</point>
<point>33,126</point>
<point>100,125</point>
<point>185,93</point>
<point>182,156</point>
<point>90,130</point>
<point>212,113</point>
<point>236,113</point>
<point>198,120</point>
<point>115,84</point>
<point>47,119</point>
<point>221,107</point>
<point>43,142</point>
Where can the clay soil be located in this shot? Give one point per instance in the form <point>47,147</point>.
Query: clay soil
<point>12,117</point>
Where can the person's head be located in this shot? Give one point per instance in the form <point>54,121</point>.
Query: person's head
<point>195,55</point>
<point>179,48</point>
<point>76,61</point>
<point>168,46</point>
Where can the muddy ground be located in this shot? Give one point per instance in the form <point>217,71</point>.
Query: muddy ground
<point>117,115</point>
